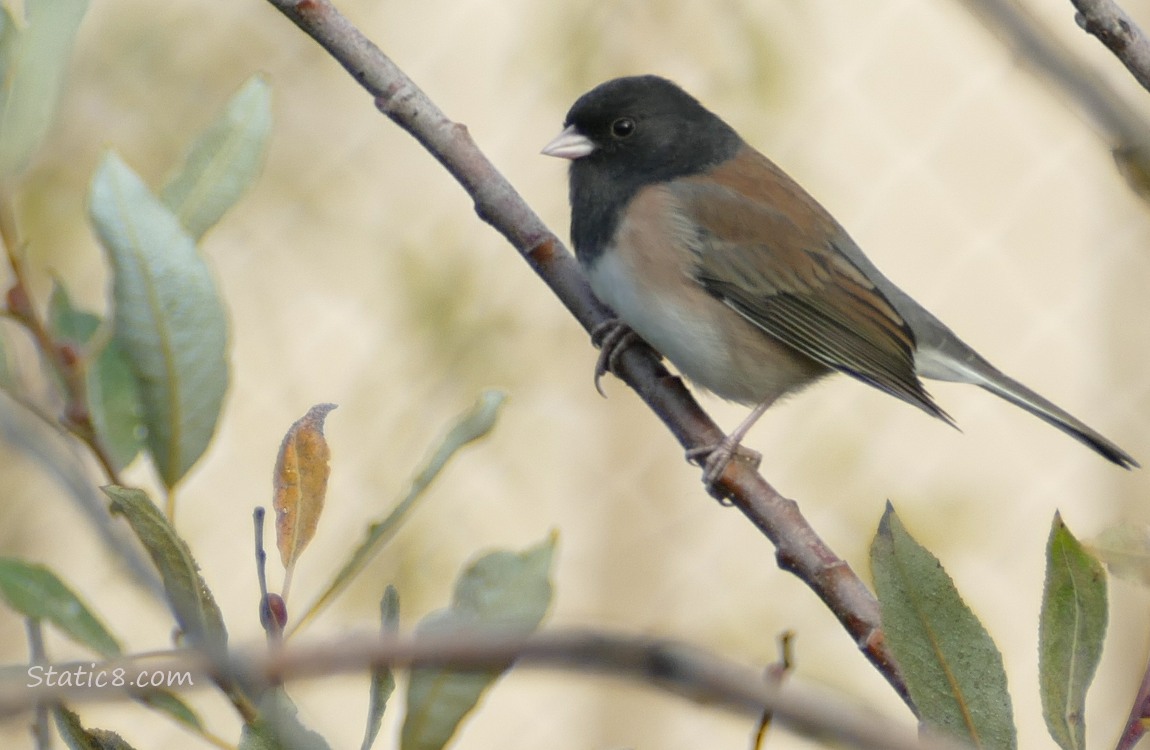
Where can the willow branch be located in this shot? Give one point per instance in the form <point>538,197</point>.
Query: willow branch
<point>1105,20</point>
<point>1125,129</point>
<point>799,548</point>
<point>63,358</point>
<point>681,669</point>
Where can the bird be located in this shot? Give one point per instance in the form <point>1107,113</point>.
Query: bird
<point>711,254</point>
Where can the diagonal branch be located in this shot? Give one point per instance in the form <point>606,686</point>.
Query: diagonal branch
<point>1124,128</point>
<point>799,548</point>
<point>1105,20</point>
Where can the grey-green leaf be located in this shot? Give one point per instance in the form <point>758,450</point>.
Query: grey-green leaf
<point>167,702</point>
<point>506,591</point>
<point>279,727</point>
<point>1070,634</point>
<point>9,45</point>
<point>951,666</point>
<point>188,596</point>
<point>7,382</point>
<point>168,317</point>
<point>382,679</point>
<point>77,737</point>
<point>35,591</point>
<point>112,394</point>
<point>473,424</point>
<point>1125,549</point>
<point>223,161</point>
<point>34,56</point>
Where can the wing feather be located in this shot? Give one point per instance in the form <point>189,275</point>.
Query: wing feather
<point>789,281</point>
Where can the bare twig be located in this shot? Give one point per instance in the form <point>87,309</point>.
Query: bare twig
<point>775,674</point>
<point>799,548</point>
<point>42,736</point>
<point>1105,20</point>
<point>63,358</point>
<point>273,608</point>
<point>678,668</point>
<point>1125,130</point>
<point>1139,716</point>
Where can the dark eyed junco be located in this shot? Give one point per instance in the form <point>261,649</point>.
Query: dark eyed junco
<point>729,269</point>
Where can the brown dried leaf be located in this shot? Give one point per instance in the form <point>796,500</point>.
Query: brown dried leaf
<point>300,483</point>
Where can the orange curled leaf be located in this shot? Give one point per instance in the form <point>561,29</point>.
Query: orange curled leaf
<point>300,483</point>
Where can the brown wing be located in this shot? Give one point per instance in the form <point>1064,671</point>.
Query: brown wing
<point>789,280</point>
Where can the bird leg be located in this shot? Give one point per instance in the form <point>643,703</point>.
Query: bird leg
<point>715,457</point>
<point>612,337</point>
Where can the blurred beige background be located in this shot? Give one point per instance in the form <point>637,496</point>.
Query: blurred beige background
<point>356,272</point>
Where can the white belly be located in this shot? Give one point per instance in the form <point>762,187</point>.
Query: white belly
<point>708,342</point>
<point>645,278</point>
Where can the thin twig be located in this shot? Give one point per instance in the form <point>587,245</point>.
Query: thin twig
<point>677,668</point>
<point>1126,131</point>
<point>775,674</point>
<point>799,548</point>
<point>1105,20</point>
<point>1139,715</point>
<point>273,607</point>
<point>42,736</point>
<point>63,359</point>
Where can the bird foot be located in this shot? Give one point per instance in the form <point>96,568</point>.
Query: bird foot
<point>714,458</point>
<point>612,337</point>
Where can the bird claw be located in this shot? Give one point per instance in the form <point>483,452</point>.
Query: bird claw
<point>714,458</point>
<point>612,337</point>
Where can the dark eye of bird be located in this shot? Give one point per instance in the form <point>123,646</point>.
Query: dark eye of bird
<point>623,127</point>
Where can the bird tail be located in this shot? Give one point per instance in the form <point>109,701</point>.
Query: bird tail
<point>1019,395</point>
<point>971,368</point>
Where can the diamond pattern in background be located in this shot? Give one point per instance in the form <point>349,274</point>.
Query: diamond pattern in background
<point>357,273</point>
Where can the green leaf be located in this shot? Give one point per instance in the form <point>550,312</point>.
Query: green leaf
<point>279,727</point>
<point>382,679</point>
<point>77,737</point>
<point>34,54</point>
<point>469,427</point>
<point>951,666</point>
<point>35,591</point>
<point>9,45</point>
<point>112,393</point>
<point>189,597</point>
<point>1125,549</point>
<point>168,317</point>
<point>223,161</point>
<point>167,702</point>
<point>1070,634</point>
<point>505,591</point>
<point>7,382</point>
